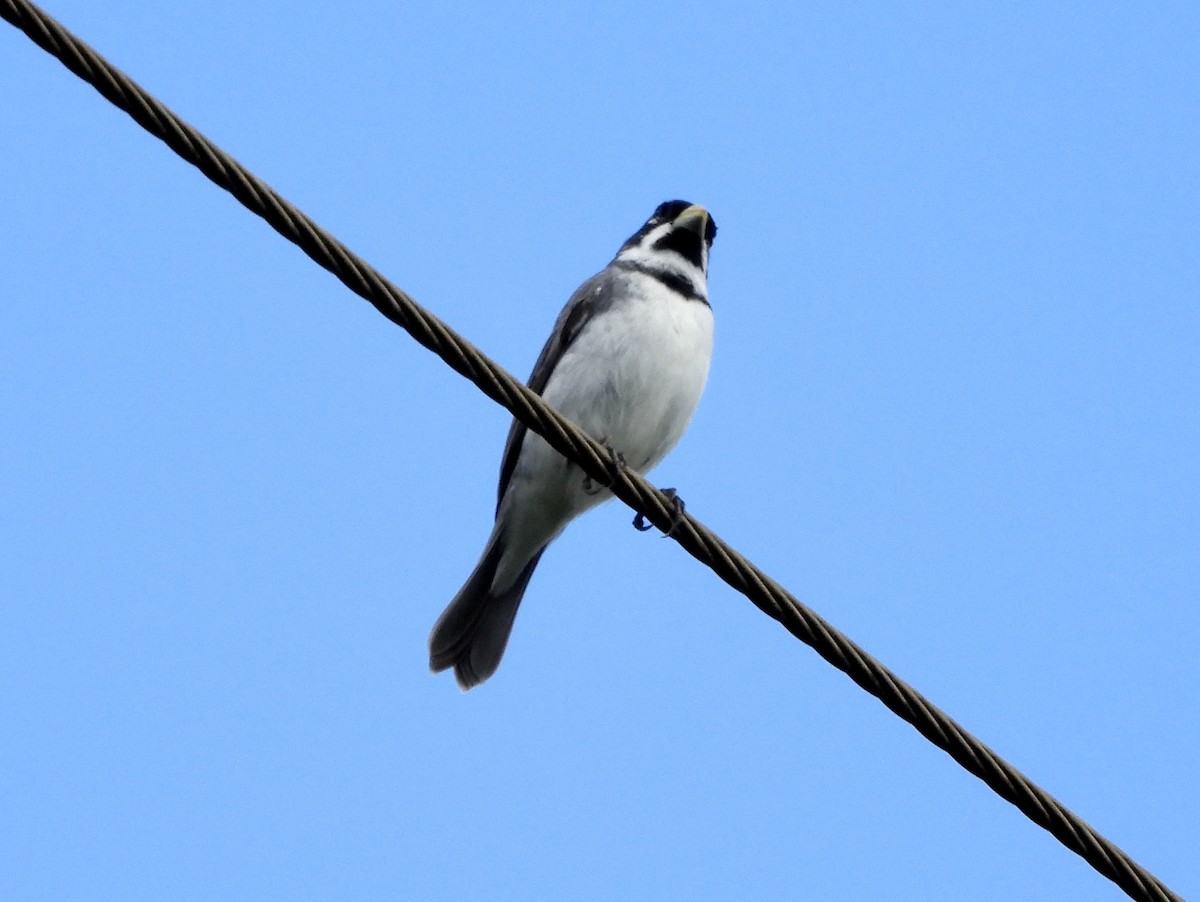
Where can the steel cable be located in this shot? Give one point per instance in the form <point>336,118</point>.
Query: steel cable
<point>771,598</point>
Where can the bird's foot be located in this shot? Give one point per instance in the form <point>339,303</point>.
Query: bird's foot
<point>616,461</point>
<point>678,509</point>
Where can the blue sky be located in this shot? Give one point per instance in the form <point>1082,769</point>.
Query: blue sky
<point>953,406</point>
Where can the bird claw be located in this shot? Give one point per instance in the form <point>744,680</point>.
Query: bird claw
<point>616,460</point>
<point>678,508</point>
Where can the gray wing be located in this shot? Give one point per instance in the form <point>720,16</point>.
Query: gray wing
<point>592,297</point>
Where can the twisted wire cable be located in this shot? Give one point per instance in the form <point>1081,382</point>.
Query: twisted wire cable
<point>495,382</point>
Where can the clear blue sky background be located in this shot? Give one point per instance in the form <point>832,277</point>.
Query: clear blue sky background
<point>953,406</point>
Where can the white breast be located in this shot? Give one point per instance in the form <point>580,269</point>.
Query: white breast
<point>635,374</point>
<point>631,379</point>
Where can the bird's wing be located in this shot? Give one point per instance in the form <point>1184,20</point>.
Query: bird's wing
<point>592,297</point>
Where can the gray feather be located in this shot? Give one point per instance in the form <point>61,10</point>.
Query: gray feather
<point>590,299</point>
<point>473,631</point>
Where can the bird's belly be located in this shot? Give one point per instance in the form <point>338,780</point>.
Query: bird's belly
<point>633,380</point>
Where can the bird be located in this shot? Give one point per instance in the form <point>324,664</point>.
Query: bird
<point>627,361</point>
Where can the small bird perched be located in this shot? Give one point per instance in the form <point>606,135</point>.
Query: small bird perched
<point>626,362</point>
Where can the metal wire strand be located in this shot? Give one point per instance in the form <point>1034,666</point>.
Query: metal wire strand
<point>771,598</point>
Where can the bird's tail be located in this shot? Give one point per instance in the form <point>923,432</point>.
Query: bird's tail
<point>473,631</point>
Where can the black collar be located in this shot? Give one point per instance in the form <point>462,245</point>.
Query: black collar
<point>681,285</point>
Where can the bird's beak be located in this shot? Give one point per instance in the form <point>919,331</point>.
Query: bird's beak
<point>694,219</point>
